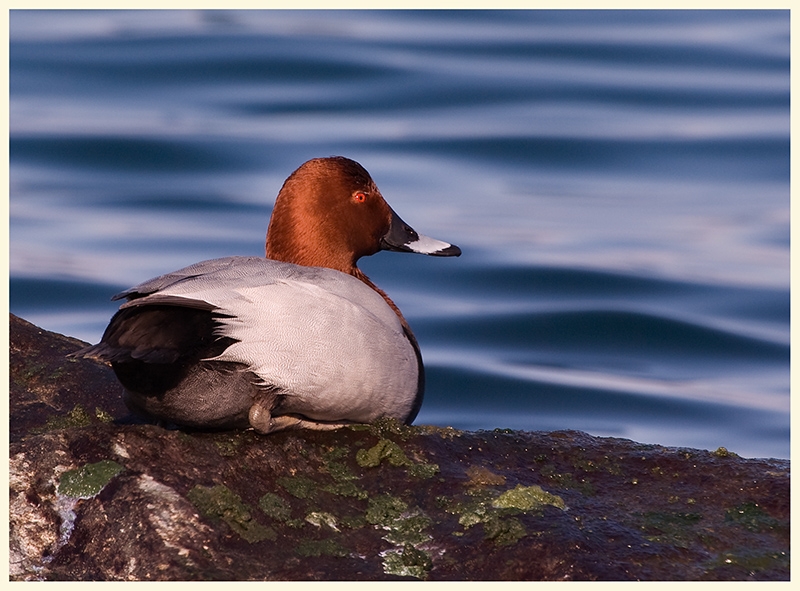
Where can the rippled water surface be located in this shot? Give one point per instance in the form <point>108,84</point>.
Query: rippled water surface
<point>618,182</point>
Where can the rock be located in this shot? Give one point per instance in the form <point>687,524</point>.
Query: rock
<point>49,391</point>
<point>92,498</point>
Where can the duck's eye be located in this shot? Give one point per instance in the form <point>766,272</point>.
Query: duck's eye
<point>359,197</point>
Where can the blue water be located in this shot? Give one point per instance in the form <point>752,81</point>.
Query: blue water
<point>618,182</point>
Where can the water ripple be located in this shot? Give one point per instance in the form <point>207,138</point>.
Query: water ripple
<point>617,180</point>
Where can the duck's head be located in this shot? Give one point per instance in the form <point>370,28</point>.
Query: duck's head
<point>330,213</point>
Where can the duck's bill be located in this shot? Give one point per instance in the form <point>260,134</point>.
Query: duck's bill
<point>403,238</point>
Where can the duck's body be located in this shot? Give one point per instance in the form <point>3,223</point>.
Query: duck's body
<point>283,341</point>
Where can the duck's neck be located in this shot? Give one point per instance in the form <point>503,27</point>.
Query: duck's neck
<point>300,253</point>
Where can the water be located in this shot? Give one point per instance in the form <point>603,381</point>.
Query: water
<point>618,182</point>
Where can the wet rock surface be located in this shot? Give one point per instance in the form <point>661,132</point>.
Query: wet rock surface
<point>93,499</point>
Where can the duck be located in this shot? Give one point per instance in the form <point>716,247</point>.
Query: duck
<point>298,339</point>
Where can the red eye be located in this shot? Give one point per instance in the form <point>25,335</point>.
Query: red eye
<point>359,197</point>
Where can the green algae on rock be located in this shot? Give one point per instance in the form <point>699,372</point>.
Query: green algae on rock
<point>722,452</point>
<point>385,449</point>
<point>753,518</point>
<point>227,447</point>
<point>407,561</point>
<point>484,506</point>
<point>384,509</point>
<point>406,529</point>
<point>77,417</point>
<point>526,498</point>
<point>89,480</point>
<point>677,529</point>
<point>423,470</point>
<point>388,450</point>
<point>102,415</point>
<point>301,487</point>
<point>220,502</point>
<point>275,507</point>
<point>477,508</point>
<point>409,528</point>
<point>344,481</point>
<point>503,532</point>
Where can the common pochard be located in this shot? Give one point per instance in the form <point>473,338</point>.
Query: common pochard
<point>301,338</point>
